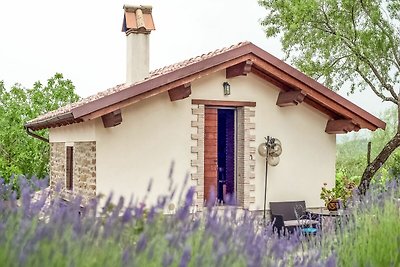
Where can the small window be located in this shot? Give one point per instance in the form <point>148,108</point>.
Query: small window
<point>69,177</point>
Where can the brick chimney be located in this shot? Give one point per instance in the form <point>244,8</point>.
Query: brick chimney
<point>137,25</point>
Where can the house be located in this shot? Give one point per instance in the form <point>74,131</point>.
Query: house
<point>208,114</point>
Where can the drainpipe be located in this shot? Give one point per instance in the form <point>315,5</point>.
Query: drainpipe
<point>41,138</point>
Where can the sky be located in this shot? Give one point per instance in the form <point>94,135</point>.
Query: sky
<point>83,39</point>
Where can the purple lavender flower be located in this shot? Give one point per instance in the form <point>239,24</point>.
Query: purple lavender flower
<point>126,256</point>
<point>185,182</point>
<point>331,262</point>
<point>221,252</point>
<point>127,216</point>
<point>26,200</point>
<point>234,237</point>
<point>142,243</point>
<point>139,210</point>
<point>151,215</point>
<point>185,259</point>
<point>161,201</point>
<point>183,212</point>
<point>117,209</point>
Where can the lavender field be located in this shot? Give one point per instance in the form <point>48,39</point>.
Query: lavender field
<point>34,232</point>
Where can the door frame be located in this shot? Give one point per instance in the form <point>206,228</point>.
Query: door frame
<point>235,139</point>
<point>245,149</point>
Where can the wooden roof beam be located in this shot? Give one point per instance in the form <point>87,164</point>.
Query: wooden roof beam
<point>341,126</point>
<point>290,98</point>
<point>241,69</point>
<point>112,119</point>
<point>270,79</point>
<point>180,92</point>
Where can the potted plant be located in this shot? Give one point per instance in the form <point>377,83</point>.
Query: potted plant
<point>330,197</point>
<point>338,195</point>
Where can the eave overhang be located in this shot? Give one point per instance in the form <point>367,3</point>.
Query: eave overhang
<point>253,59</point>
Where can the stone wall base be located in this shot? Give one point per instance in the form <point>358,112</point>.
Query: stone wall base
<point>84,169</point>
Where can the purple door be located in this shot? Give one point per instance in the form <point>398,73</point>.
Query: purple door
<point>226,156</point>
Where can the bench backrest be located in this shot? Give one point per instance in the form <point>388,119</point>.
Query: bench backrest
<point>288,209</point>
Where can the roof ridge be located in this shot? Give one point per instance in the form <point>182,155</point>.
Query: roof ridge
<point>192,60</point>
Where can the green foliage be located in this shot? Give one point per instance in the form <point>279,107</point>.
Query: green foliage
<point>343,44</point>
<point>343,189</point>
<point>19,152</point>
<point>351,157</point>
<point>340,42</point>
<point>372,236</point>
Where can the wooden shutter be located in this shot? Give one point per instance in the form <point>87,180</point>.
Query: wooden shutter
<point>210,153</point>
<point>69,168</point>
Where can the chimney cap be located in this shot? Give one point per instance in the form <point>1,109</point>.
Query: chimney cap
<point>138,19</point>
<point>146,9</point>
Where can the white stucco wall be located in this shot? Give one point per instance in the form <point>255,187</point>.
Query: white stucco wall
<point>80,132</point>
<point>309,154</point>
<point>153,134</point>
<point>156,131</point>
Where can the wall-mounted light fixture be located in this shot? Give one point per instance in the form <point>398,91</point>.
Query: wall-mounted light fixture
<point>227,88</point>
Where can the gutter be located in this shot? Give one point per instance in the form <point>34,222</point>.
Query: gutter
<point>29,131</point>
<point>46,123</point>
<point>63,119</point>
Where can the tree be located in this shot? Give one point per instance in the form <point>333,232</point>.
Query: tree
<point>19,152</point>
<point>351,157</point>
<point>341,43</point>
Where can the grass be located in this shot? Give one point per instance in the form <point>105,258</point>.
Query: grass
<point>372,236</point>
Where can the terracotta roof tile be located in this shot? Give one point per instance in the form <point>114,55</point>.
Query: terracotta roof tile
<point>138,19</point>
<point>321,97</point>
<point>185,63</point>
<point>155,73</point>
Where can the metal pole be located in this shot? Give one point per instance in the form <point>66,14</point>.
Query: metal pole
<point>266,180</point>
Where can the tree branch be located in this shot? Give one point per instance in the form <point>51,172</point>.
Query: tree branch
<point>394,62</point>
<point>354,23</point>
<point>334,62</point>
<point>390,36</point>
<point>374,89</point>
<point>338,59</point>
<point>382,80</point>
<point>353,47</point>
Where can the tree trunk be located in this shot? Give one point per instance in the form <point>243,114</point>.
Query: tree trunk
<point>385,153</point>
<point>376,164</point>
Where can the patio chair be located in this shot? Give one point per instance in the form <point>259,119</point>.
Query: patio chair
<point>291,215</point>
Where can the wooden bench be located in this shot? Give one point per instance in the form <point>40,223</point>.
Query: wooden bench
<point>289,215</point>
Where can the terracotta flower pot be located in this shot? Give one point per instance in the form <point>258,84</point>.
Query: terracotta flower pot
<point>333,205</point>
